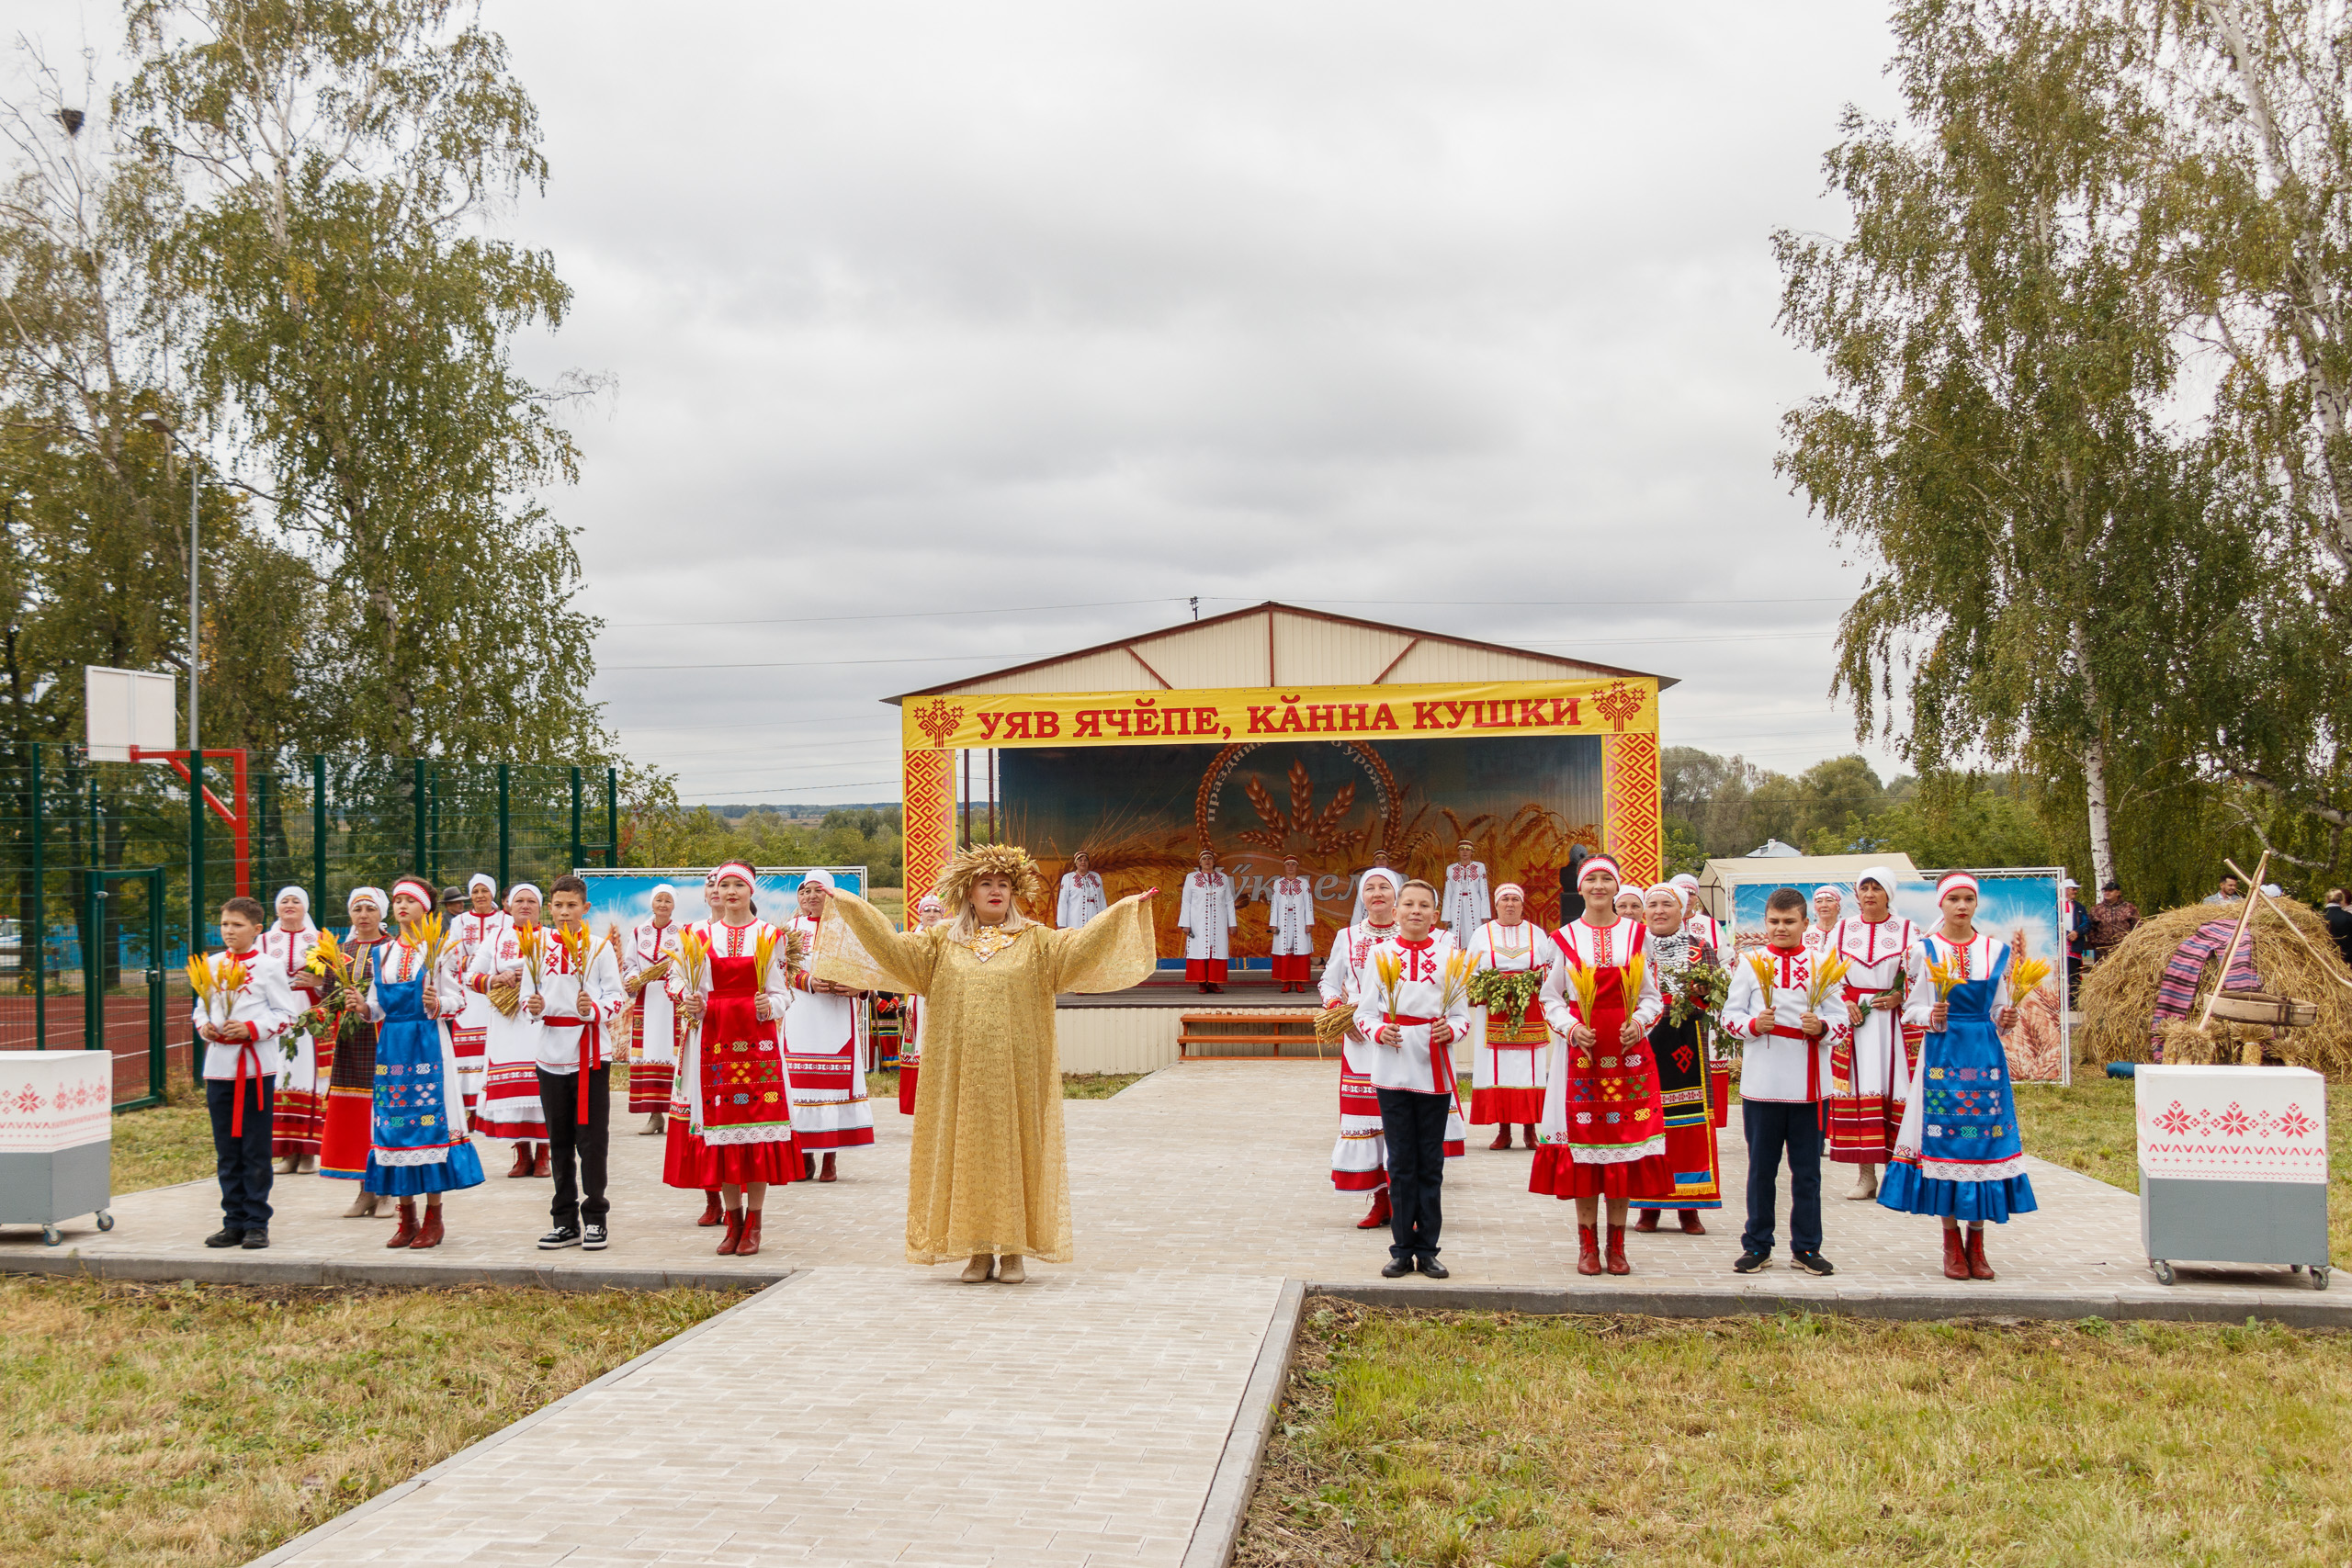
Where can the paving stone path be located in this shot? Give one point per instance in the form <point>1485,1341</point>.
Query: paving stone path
<point>869,1412</point>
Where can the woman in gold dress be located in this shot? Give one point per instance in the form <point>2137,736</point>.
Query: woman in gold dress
<point>989,1179</point>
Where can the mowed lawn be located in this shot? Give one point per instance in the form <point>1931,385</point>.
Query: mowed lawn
<point>198,1425</point>
<point>1797,1441</point>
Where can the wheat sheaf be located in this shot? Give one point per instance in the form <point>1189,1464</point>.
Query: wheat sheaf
<point>1322,828</point>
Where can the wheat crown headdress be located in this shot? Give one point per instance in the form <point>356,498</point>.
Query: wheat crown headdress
<point>1008,860</point>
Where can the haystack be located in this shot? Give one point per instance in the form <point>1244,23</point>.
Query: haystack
<point>2118,998</point>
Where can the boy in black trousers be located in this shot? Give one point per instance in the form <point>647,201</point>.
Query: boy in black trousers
<point>242,1024</point>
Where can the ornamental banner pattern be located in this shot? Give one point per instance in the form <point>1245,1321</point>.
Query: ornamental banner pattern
<point>2232,1123</point>
<point>968,719</point>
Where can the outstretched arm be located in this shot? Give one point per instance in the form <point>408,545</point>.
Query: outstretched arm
<point>858,947</point>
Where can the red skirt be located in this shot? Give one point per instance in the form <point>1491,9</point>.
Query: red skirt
<point>907,1074</point>
<point>1560,1176</point>
<point>1294,968</point>
<point>1612,1094</point>
<point>1204,971</point>
<point>687,1161</point>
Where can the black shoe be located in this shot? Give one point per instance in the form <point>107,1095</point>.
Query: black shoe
<point>255,1240</point>
<point>227,1235</point>
<point>1433,1269</point>
<point>1749,1262</point>
<point>560,1237</point>
<point>592,1237</point>
<point>1813,1263</point>
<point>1396,1267</point>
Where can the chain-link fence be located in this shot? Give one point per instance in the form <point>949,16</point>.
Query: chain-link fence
<point>99,910</point>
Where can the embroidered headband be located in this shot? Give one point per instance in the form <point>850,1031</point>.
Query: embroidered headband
<point>1510,887</point>
<point>480,879</point>
<point>1680,896</point>
<point>1600,863</point>
<point>732,868</point>
<point>1956,879</point>
<point>1684,880</point>
<point>365,895</point>
<point>417,890</point>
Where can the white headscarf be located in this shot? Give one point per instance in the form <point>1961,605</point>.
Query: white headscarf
<point>819,875</point>
<point>373,895</point>
<point>481,879</point>
<point>308,924</point>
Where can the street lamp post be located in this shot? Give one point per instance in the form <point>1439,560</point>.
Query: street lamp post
<point>156,423</point>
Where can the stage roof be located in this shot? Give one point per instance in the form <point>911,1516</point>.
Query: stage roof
<point>1274,644</point>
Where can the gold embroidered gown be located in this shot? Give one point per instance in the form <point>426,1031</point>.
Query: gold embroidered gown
<point>990,1172</point>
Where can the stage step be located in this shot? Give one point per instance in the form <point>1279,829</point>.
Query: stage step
<point>1263,1032</point>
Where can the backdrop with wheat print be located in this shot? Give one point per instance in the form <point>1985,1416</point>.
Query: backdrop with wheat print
<point>1144,813</point>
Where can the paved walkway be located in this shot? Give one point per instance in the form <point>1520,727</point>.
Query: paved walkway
<point>871,1412</point>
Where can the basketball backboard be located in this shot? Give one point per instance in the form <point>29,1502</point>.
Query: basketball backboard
<point>129,710</point>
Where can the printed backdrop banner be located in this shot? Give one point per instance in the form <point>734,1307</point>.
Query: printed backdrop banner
<point>2020,906</point>
<point>1373,713</point>
<point>625,898</point>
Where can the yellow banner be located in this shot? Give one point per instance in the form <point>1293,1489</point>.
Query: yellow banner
<point>1217,718</point>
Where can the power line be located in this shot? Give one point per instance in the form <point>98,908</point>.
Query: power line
<point>892,614</point>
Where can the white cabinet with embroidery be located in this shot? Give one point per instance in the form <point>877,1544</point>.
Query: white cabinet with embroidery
<point>2233,1166</point>
<point>56,1138</point>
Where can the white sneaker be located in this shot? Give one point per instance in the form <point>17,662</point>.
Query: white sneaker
<point>591,1235</point>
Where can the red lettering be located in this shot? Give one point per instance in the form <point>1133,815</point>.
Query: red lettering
<point>1261,721</point>
<point>1290,724</point>
<point>1322,718</point>
<point>1016,726</point>
<point>1383,719</point>
<point>1572,718</point>
<point>1121,720</point>
<point>988,721</point>
<point>1425,717</point>
<point>1531,712</point>
<point>1353,715</point>
<point>1146,721</point>
<point>1204,720</point>
<point>1049,725</point>
<point>1455,711</point>
<point>1090,725</point>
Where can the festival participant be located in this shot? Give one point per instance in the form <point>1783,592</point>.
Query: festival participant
<point>928,912</point>
<point>1507,1056</point>
<point>243,1025</point>
<point>1784,1069</point>
<point>579,1006</point>
<point>1412,1030</point>
<point>1360,1157</point>
<point>1958,1155</point>
<point>509,1107</point>
<point>1467,905</point>
<point>1290,916</point>
<point>831,1109</point>
<point>647,953</point>
<point>1603,1129</point>
<point>735,1131</point>
<point>1379,862</point>
<point>988,1180</point>
<point>298,1114</point>
<point>351,1086</point>
<point>1628,903</point>
<point>1081,894</point>
<point>1829,907</point>
<point>420,1143</point>
<point>1869,1079</point>
<point>1707,931</point>
<point>1685,1075</point>
<point>1207,919</point>
<point>469,1030</point>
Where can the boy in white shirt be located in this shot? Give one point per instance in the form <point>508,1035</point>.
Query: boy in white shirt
<point>1412,1071</point>
<point>577,1010</point>
<point>243,1025</point>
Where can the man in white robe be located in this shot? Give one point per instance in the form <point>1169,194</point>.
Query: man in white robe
<point>823,1053</point>
<point>1082,895</point>
<point>1207,919</point>
<point>1290,916</point>
<point>1467,903</point>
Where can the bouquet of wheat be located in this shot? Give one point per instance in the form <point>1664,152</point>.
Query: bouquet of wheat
<point>1828,973</point>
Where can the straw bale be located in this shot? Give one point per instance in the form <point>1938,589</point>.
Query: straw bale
<point>2119,998</point>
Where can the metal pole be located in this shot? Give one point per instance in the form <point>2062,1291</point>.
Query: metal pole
<point>156,988</point>
<point>195,638</point>
<point>433,782</point>
<point>505,830</point>
<point>416,820</point>
<point>318,832</point>
<point>195,944</point>
<point>991,796</point>
<point>39,932</point>
<point>575,822</point>
<point>612,817</point>
<point>257,833</point>
<point>967,800</point>
<point>94,969</point>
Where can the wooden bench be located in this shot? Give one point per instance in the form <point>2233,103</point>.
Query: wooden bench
<point>1274,1027</point>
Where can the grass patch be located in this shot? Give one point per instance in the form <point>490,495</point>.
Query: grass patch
<point>1463,1438</point>
<point>164,1144</point>
<point>2088,1126</point>
<point>1095,1085</point>
<point>187,1425</point>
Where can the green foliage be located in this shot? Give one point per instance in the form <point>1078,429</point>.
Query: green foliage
<point>662,833</point>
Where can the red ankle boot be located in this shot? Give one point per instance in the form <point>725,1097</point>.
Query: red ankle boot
<point>1617,1264</point>
<point>1648,1222</point>
<point>429,1233</point>
<point>1978,1268</point>
<point>522,1161</point>
<point>826,1172</point>
<point>734,1240</point>
<point>1955,1254</point>
<point>1379,1216</point>
<point>546,1164</point>
<point>749,1242</point>
<point>711,1212</point>
<point>1690,1226</point>
<point>406,1231</point>
<point>1588,1250</point>
<point>1502,1137</point>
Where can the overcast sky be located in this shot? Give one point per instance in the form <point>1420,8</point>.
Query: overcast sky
<point>947,336</point>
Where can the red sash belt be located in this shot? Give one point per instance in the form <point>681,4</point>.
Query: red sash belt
<point>590,1039</point>
<point>1811,1058</point>
<point>245,1053</point>
<point>1441,1077</point>
<point>1787,1032</point>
